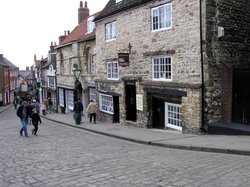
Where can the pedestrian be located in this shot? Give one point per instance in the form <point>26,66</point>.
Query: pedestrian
<point>30,108</point>
<point>43,109</point>
<point>35,120</point>
<point>91,111</point>
<point>46,103</point>
<point>23,114</point>
<point>15,103</point>
<point>78,108</point>
<point>50,105</point>
<point>36,106</point>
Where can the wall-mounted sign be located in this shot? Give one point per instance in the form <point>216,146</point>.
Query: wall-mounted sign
<point>139,102</point>
<point>123,59</point>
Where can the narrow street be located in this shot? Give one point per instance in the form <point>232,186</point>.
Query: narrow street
<point>61,156</point>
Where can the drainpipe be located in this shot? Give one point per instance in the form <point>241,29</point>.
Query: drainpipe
<point>202,75</point>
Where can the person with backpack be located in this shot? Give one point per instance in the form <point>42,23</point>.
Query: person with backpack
<point>23,113</point>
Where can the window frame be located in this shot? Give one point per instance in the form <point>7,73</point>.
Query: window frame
<point>106,103</point>
<point>110,31</point>
<point>158,17</point>
<point>90,24</point>
<point>165,69</point>
<point>174,116</point>
<point>111,75</point>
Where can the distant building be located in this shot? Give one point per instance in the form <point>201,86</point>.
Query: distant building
<point>9,84</point>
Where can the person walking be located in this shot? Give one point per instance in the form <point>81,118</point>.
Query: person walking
<point>78,108</point>
<point>91,110</point>
<point>43,109</point>
<point>36,106</point>
<point>23,113</point>
<point>35,120</point>
<point>46,102</point>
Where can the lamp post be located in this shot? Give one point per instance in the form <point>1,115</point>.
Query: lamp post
<point>77,85</point>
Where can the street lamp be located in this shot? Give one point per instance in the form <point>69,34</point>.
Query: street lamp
<point>77,72</point>
<point>78,85</point>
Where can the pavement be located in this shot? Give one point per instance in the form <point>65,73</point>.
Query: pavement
<point>229,144</point>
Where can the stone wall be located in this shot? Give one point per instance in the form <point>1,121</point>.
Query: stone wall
<point>224,53</point>
<point>182,42</point>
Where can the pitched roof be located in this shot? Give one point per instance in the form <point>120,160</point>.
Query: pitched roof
<point>24,73</point>
<point>113,8</point>
<point>80,32</point>
<point>9,64</point>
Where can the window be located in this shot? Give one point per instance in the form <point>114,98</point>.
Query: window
<point>162,68</point>
<point>92,94</point>
<point>173,116</point>
<point>106,103</point>
<point>112,69</point>
<point>90,63</point>
<point>90,24</point>
<point>162,17</point>
<point>51,82</point>
<point>70,99</point>
<point>61,97</point>
<point>111,31</point>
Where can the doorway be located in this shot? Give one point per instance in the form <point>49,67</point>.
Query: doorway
<point>130,92</point>
<point>116,117</point>
<point>158,108</point>
<point>241,96</point>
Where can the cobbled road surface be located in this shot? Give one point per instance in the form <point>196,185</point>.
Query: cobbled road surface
<point>62,156</point>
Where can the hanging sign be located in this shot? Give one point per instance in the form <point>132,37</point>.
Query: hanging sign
<point>123,59</point>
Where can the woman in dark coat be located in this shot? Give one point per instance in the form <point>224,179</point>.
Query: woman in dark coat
<point>78,108</point>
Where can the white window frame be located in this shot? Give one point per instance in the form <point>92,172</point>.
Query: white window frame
<point>160,68</point>
<point>70,99</point>
<point>173,116</point>
<point>113,70</point>
<point>110,31</point>
<point>161,17</point>
<point>61,97</point>
<point>106,103</point>
<point>90,24</point>
<point>51,82</point>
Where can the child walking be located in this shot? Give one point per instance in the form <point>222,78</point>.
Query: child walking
<point>35,119</point>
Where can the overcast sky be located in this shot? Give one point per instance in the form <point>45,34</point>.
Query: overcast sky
<point>28,27</point>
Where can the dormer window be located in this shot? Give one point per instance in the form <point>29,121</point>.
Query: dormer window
<point>90,24</point>
<point>117,1</point>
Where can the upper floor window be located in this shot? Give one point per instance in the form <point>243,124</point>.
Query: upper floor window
<point>112,69</point>
<point>90,63</point>
<point>90,24</point>
<point>161,17</point>
<point>117,1</point>
<point>162,68</point>
<point>110,31</point>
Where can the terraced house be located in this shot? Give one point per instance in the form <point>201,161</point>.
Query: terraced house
<point>173,63</point>
<point>75,51</point>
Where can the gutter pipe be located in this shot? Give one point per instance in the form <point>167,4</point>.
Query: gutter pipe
<point>202,128</point>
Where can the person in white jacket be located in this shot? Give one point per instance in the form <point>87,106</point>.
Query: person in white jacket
<point>91,110</point>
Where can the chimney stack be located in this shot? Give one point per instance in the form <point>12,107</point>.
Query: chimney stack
<point>27,68</point>
<point>83,12</point>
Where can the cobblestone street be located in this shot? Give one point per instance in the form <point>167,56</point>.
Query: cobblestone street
<point>61,156</point>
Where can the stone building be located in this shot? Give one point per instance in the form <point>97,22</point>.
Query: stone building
<point>75,51</point>
<point>170,64</point>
